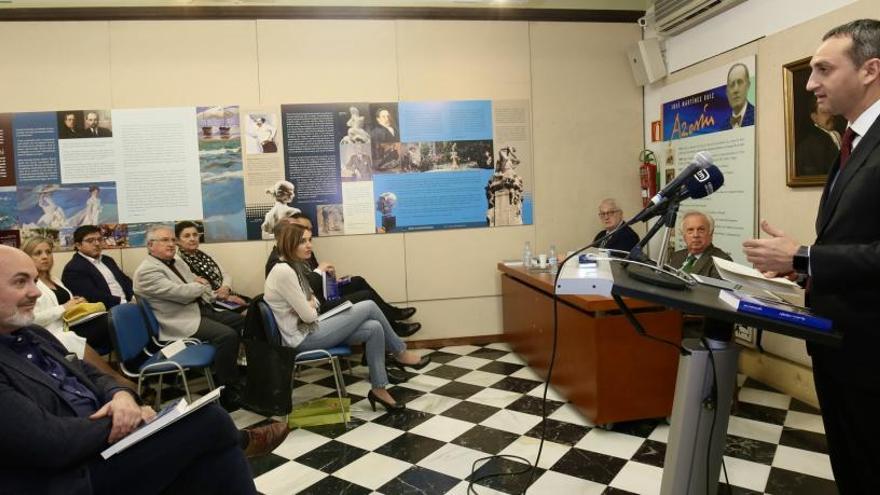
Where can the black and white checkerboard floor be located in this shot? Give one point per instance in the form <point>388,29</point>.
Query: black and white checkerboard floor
<point>472,401</point>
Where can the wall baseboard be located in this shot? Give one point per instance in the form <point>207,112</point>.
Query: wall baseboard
<point>469,340</point>
<point>786,376</point>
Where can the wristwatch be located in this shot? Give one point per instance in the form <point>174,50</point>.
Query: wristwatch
<point>801,261</point>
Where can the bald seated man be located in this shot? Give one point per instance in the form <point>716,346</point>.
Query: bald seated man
<point>58,413</point>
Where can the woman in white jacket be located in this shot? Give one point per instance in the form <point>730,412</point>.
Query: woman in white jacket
<point>295,308</point>
<point>54,301</point>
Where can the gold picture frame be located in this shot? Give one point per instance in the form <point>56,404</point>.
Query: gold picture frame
<point>812,139</point>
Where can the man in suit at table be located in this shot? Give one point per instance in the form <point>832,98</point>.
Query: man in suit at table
<point>59,413</point>
<point>742,113</point>
<point>611,217</point>
<point>842,266</point>
<point>182,304</point>
<point>697,229</point>
<point>93,275</point>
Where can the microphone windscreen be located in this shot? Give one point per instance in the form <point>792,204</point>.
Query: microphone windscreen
<point>703,159</point>
<point>704,182</point>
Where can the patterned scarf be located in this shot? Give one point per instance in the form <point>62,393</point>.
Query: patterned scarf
<point>203,266</point>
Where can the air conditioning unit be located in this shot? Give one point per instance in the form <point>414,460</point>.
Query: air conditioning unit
<point>670,17</point>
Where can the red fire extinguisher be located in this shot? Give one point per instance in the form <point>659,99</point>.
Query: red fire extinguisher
<point>647,176</point>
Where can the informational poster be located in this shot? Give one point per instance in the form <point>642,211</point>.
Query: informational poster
<point>85,146</point>
<point>158,155</point>
<point>352,168</point>
<point>263,166</point>
<point>715,113</point>
<point>7,152</point>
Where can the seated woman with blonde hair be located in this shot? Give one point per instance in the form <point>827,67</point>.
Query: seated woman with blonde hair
<point>55,301</point>
<point>295,308</point>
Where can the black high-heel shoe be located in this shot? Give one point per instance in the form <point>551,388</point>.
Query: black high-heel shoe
<point>373,399</point>
<point>424,361</point>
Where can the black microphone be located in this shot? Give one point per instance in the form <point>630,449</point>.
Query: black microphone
<point>701,183</point>
<point>701,160</point>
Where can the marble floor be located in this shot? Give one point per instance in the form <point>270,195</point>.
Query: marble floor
<point>472,402</point>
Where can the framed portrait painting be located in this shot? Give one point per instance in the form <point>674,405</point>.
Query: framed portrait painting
<point>812,137</point>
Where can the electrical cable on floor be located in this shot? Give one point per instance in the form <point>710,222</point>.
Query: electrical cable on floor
<point>638,328</point>
<point>531,467</point>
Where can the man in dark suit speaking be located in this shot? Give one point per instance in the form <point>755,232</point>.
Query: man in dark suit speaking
<point>843,264</point>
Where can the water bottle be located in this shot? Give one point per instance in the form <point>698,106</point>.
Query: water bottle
<point>527,255</point>
<point>551,258</point>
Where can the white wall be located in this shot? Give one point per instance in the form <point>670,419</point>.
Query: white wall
<point>586,123</point>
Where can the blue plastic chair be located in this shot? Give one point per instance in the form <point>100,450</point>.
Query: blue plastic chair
<point>309,358</point>
<point>131,338</point>
<point>154,327</point>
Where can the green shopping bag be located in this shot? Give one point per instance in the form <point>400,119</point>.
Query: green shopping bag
<point>317,412</point>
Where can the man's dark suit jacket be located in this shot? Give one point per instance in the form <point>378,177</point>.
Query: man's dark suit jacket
<point>623,240</point>
<point>703,266</point>
<point>102,132</point>
<point>83,279</point>
<point>748,117</point>
<point>845,263</point>
<point>44,446</point>
<point>380,134</point>
<point>65,132</point>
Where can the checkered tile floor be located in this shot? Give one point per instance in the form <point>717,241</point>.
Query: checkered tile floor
<point>471,402</point>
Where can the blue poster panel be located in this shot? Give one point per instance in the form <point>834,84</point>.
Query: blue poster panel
<point>35,138</point>
<point>314,134</point>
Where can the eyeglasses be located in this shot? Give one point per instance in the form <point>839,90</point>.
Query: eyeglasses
<point>93,240</point>
<point>165,240</point>
<point>605,214</point>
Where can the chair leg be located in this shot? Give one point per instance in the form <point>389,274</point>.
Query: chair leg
<point>186,387</point>
<point>340,384</point>
<point>159,393</point>
<point>209,378</point>
<point>337,370</point>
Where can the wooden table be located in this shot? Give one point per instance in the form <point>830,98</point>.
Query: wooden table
<point>603,366</point>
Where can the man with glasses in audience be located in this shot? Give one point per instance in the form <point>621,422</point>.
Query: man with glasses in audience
<point>611,217</point>
<point>182,303</point>
<point>93,275</point>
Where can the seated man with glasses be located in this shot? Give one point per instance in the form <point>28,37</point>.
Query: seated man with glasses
<point>93,275</point>
<point>182,303</point>
<point>611,217</point>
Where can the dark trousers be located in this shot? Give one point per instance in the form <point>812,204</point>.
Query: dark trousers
<point>199,454</point>
<point>849,413</point>
<point>357,289</point>
<point>222,330</point>
<point>96,332</point>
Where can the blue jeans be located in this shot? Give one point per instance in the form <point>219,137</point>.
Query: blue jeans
<point>363,323</point>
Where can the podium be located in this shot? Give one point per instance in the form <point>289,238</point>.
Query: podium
<point>698,426</point>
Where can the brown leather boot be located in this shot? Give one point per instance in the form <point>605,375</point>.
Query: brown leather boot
<point>264,439</point>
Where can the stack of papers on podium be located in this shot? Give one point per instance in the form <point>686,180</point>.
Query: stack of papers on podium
<point>753,279</point>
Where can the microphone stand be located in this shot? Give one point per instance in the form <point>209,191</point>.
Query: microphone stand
<point>658,275</point>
